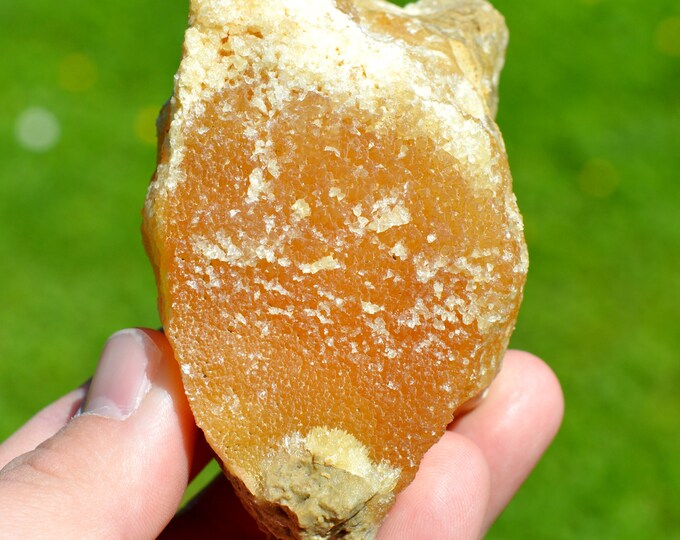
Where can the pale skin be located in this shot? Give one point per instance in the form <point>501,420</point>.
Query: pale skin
<point>112,474</point>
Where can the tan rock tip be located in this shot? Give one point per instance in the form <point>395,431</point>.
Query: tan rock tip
<point>337,248</point>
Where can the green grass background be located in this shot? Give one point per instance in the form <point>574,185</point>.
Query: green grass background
<point>590,110</point>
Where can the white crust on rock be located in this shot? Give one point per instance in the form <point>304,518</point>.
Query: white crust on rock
<point>329,46</point>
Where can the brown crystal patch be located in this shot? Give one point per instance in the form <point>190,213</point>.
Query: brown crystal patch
<point>327,264</point>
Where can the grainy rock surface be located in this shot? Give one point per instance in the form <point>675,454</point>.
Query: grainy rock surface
<point>338,251</point>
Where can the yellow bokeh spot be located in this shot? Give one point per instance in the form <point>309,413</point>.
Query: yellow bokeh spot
<point>77,72</point>
<point>145,125</point>
<point>599,178</point>
<point>668,36</point>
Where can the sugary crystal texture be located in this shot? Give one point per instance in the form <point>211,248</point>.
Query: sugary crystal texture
<point>338,251</point>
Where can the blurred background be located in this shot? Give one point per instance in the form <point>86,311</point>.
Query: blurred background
<point>590,111</point>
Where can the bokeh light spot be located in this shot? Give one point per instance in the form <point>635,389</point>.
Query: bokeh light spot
<point>77,72</point>
<point>145,125</point>
<point>668,36</point>
<point>599,178</point>
<point>37,129</point>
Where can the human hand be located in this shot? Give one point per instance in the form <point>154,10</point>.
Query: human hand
<point>119,470</point>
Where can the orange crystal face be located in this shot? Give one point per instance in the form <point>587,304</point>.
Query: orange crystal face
<point>338,252</point>
<point>320,273</point>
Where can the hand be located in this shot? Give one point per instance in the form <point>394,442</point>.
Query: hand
<point>119,469</point>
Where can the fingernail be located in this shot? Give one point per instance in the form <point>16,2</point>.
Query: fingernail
<point>124,374</point>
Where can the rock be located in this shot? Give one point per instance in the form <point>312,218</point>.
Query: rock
<point>338,251</point>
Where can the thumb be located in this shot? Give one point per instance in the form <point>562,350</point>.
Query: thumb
<point>120,468</point>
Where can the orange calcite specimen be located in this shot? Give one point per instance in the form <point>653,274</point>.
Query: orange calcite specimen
<point>337,248</point>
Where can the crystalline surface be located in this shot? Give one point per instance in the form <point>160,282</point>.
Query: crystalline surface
<point>338,251</point>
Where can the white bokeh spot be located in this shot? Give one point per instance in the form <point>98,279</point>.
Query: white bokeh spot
<point>37,129</point>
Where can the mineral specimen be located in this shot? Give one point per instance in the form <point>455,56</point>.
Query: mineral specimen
<point>338,252</point>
